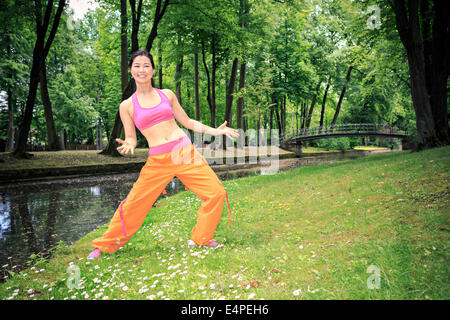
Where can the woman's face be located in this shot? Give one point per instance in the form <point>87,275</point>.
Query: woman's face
<point>141,70</point>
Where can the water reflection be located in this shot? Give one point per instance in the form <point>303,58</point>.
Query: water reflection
<point>34,217</point>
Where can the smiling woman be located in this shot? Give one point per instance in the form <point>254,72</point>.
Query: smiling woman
<point>155,112</point>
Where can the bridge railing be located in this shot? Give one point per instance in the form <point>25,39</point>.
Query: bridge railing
<point>343,129</point>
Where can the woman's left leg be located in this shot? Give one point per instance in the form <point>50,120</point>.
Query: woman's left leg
<point>201,179</point>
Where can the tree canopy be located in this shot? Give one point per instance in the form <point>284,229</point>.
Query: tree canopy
<point>288,64</point>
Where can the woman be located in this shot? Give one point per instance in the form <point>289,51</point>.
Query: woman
<point>171,153</point>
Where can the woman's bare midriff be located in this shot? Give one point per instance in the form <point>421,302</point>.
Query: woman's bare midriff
<point>163,132</point>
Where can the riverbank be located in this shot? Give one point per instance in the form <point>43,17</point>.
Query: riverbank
<point>370,228</point>
<point>72,164</point>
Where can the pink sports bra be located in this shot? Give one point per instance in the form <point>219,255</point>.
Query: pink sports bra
<point>146,117</point>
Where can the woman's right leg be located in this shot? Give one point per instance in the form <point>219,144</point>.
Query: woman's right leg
<point>146,190</point>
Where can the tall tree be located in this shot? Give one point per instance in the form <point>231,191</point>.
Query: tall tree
<point>40,52</point>
<point>229,97</point>
<point>423,27</point>
<point>196,91</point>
<point>324,100</point>
<point>178,72</point>
<point>123,44</point>
<point>244,11</point>
<point>135,23</point>
<point>341,97</point>
<point>52,138</point>
<point>313,103</point>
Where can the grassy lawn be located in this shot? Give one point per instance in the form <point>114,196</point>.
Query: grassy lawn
<point>309,233</point>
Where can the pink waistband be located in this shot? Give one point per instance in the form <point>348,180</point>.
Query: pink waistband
<point>169,146</point>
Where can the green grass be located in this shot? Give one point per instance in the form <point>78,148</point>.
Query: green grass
<point>308,233</point>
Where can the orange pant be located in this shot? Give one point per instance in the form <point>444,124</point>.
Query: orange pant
<point>192,170</point>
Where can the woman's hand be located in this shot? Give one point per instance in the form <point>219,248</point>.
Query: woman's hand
<point>229,132</point>
<point>126,146</point>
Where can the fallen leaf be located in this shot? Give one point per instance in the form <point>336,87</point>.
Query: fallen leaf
<point>273,270</point>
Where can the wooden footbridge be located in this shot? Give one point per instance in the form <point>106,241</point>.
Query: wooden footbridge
<point>344,130</point>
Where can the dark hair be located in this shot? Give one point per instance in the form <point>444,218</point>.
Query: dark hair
<point>142,53</point>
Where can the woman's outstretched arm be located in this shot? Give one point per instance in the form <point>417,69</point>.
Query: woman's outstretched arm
<point>129,144</point>
<point>185,121</point>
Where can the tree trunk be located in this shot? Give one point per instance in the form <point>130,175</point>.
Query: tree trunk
<point>135,18</point>
<point>160,68</point>
<point>341,97</point>
<point>159,13</point>
<point>439,65</point>
<point>240,100</point>
<point>322,112</point>
<point>178,71</point>
<point>99,135</point>
<point>10,133</point>
<point>244,9</point>
<point>271,117</point>
<point>10,138</point>
<point>211,96</point>
<point>52,138</point>
<point>277,114</point>
<point>229,98</point>
<point>196,89</point>
<point>258,127</point>
<point>419,60</point>
<point>302,115</point>
<point>230,91</point>
<point>313,102</point>
<point>213,81</point>
<point>123,45</point>
<point>208,76</point>
<point>283,116</point>
<point>40,52</point>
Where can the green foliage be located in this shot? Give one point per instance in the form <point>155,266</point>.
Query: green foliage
<point>37,261</point>
<point>288,49</point>
<point>341,144</point>
<point>390,143</point>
